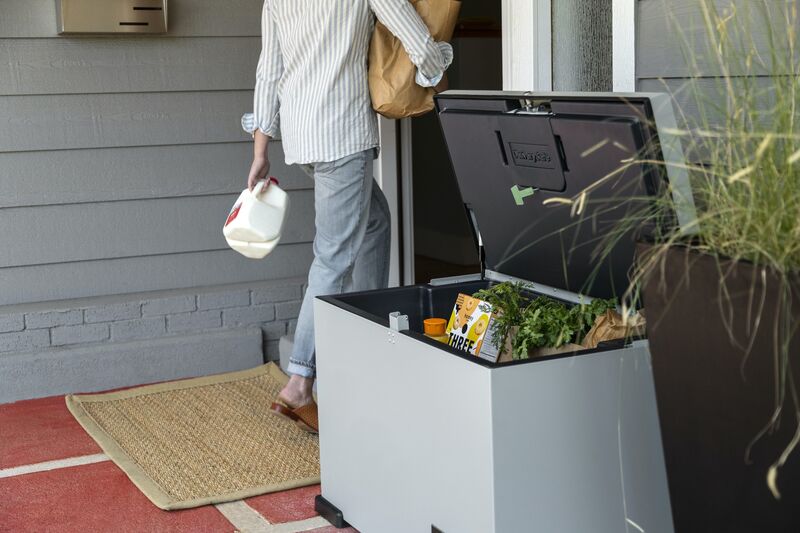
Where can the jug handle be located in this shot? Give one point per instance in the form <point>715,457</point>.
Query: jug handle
<point>262,184</point>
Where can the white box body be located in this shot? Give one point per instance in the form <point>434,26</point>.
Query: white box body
<point>413,436</point>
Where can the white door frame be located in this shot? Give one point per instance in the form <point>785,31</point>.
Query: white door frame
<point>527,45</point>
<point>398,189</point>
<point>623,39</point>
<point>385,172</point>
<point>407,201</point>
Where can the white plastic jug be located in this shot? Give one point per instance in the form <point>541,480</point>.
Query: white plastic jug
<point>254,225</point>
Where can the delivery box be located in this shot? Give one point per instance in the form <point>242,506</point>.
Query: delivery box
<point>423,434</point>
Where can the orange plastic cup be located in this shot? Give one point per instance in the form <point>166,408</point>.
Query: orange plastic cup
<point>435,327</point>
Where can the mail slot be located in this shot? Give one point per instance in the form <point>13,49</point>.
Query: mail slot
<point>111,16</point>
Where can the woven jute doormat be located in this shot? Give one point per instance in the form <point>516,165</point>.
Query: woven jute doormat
<point>201,441</point>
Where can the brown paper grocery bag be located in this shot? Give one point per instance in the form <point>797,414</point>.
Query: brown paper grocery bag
<point>611,326</point>
<point>394,92</point>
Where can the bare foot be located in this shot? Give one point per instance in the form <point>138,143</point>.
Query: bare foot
<point>297,392</point>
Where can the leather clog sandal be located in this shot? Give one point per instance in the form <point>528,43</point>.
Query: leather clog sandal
<point>305,416</point>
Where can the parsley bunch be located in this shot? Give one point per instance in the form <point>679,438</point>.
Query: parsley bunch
<point>542,321</point>
<point>509,302</point>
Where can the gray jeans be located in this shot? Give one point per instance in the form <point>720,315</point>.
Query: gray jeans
<point>351,247</point>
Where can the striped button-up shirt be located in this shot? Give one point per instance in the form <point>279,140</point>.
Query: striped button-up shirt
<point>311,80</point>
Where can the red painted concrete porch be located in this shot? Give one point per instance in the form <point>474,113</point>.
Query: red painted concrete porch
<point>55,479</point>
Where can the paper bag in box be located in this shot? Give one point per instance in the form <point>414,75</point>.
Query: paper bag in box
<point>612,326</point>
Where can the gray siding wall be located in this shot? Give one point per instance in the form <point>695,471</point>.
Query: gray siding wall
<point>672,48</point>
<point>120,157</point>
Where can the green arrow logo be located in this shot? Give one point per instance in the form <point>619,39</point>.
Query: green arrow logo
<point>521,194</point>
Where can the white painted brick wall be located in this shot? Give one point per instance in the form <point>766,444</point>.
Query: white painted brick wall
<point>140,328</point>
<point>24,341</point>
<point>222,300</point>
<point>165,306</point>
<point>82,334</point>
<point>244,316</point>
<point>194,321</point>
<point>113,312</point>
<point>273,306</point>
<point>12,322</point>
<point>287,310</point>
<point>50,319</point>
<point>276,294</point>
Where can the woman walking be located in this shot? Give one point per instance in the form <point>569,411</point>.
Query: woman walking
<point>312,93</point>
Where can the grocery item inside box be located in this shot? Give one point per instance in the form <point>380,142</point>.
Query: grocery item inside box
<point>436,329</point>
<point>611,326</point>
<point>469,324</point>
<point>502,323</point>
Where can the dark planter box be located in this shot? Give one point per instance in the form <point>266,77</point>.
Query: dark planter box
<point>713,399</point>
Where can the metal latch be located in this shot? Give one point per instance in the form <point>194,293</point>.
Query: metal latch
<point>530,106</point>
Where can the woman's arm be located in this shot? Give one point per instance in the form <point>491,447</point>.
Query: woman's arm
<point>260,167</point>
<point>264,122</point>
<point>430,57</point>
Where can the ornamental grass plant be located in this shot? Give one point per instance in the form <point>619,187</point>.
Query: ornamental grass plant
<point>740,133</point>
<point>744,142</point>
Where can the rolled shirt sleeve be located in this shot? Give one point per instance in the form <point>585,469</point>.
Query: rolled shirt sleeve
<point>266,103</point>
<point>447,54</point>
<point>431,58</point>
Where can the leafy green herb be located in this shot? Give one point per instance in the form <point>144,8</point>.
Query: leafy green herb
<point>541,321</point>
<point>548,323</point>
<point>509,301</point>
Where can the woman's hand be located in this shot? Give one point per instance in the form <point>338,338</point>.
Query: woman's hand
<point>260,167</point>
<point>258,171</point>
<point>443,85</point>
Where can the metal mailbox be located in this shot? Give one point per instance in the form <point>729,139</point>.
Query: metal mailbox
<point>111,16</point>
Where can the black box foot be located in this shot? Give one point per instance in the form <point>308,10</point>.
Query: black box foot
<point>330,512</point>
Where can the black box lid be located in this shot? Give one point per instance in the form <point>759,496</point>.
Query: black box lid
<point>511,152</point>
